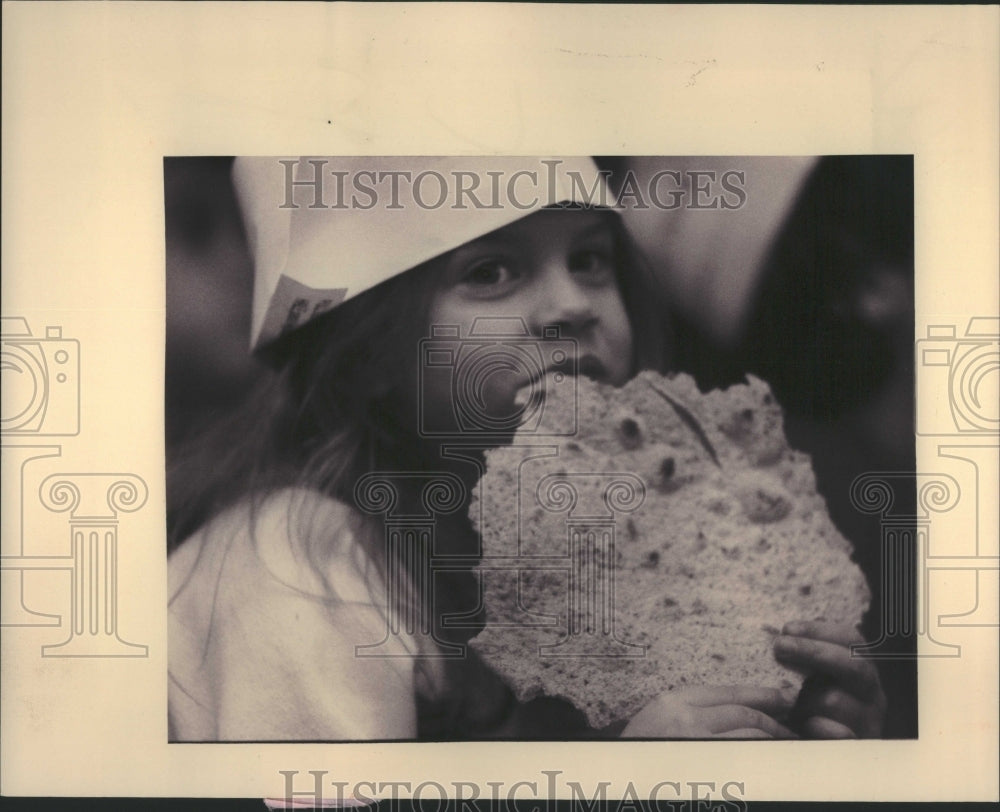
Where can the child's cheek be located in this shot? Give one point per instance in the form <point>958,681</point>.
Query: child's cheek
<point>619,339</point>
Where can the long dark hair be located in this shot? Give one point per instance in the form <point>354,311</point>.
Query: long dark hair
<point>331,406</point>
<point>329,403</point>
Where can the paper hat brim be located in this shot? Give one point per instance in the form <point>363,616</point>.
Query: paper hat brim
<point>322,230</point>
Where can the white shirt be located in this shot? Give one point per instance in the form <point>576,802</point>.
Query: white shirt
<point>264,620</point>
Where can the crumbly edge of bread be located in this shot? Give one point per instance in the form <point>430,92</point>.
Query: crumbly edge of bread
<point>726,500</point>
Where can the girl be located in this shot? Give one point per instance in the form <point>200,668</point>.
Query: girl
<point>281,586</point>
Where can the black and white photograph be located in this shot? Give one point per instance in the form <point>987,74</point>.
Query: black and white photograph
<point>508,404</point>
<point>538,448</point>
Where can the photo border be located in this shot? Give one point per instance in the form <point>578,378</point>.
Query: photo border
<point>96,95</point>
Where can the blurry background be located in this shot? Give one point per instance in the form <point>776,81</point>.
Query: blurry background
<point>808,283</point>
<point>209,287</point>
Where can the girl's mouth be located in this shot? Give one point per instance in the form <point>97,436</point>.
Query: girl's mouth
<point>589,366</point>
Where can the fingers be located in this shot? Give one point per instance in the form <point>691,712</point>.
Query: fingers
<point>708,712</point>
<point>819,727</point>
<point>728,719</point>
<point>769,700</point>
<point>834,659</point>
<point>842,633</point>
<point>744,733</point>
<point>836,705</point>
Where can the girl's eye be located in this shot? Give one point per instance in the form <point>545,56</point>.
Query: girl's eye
<point>488,276</point>
<point>594,263</point>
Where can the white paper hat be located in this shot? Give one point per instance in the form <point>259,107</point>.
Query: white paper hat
<point>322,230</point>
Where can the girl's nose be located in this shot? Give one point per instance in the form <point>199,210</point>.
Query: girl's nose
<point>559,300</point>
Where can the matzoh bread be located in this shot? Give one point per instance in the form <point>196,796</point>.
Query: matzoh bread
<point>718,533</point>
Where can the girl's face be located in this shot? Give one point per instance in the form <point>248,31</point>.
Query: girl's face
<point>554,268</point>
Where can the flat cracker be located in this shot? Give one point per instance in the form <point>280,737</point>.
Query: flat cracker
<point>681,574</point>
